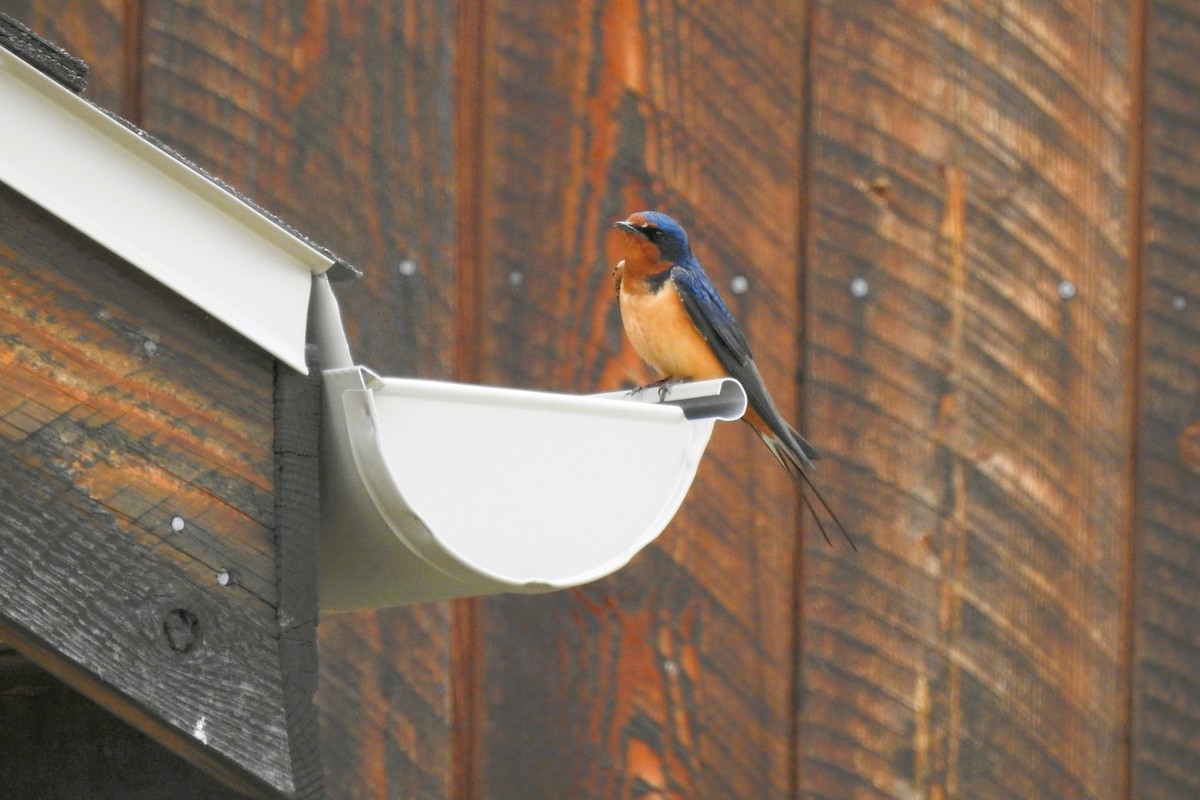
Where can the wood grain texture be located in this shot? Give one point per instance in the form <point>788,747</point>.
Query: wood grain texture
<point>1166,722</point>
<point>96,755</point>
<point>89,29</point>
<point>297,531</point>
<point>100,387</point>
<point>672,678</point>
<point>107,376</point>
<point>106,35</point>
<point>135,465</point>
<point>963,159</point>
<point>338,117</point>
<point>966,158</point>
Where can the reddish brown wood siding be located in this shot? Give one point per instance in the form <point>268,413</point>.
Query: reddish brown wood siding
<point>1018,466</point>
<point>1166,644</point>
<point>675,677</point>
<point>968,159</point>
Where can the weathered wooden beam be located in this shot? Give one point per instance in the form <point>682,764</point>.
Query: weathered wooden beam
<point>138,504</point>
<point>297,526</point>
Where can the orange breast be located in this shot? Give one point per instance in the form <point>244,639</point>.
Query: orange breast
<point>664,336</point>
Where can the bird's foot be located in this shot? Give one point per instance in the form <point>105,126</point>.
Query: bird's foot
<point>663,386</point>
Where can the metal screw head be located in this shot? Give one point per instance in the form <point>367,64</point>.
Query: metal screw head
<point>1179,302</point>
<point>407,267</point>
<point>223,577</point>
<point>177,524</point>
<point>859,287</point>
<point>739,285</point>
<point>150,347</point>
<point>1066,289</point>
<point>516,278</point>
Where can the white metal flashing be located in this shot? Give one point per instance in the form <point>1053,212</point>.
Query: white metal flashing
<point>155,211</point>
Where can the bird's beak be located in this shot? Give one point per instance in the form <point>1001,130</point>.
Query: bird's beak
<point>625,226</point>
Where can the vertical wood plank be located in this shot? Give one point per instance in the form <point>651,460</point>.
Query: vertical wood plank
<point>1166,723</point>
<point>672,678</point>
<point>338,117</point>
<point>968,158</point>
<point>297,528</point>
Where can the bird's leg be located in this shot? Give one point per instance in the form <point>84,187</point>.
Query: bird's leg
<point>662,384</point>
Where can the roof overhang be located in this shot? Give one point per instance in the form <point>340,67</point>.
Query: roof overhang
<point>113,183</point>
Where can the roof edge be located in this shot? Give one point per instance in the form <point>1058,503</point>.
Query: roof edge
<point>47,57</point>
<point>148,205</point>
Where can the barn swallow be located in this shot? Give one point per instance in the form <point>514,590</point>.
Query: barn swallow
<point>680,326</point>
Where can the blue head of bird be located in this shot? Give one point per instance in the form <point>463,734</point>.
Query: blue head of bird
<point>654,241</point>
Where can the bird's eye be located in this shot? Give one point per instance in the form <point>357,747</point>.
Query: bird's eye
<point>657,235</point>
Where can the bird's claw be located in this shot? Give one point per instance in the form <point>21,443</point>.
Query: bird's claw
<point>664,389</point>
<point>663,386</point>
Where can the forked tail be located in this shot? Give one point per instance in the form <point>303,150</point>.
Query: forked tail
<point>793,460</point>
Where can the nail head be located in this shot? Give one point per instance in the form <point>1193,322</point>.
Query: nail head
<point>859,287</point>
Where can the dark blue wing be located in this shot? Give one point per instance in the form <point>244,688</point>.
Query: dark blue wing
<point>711,317</point>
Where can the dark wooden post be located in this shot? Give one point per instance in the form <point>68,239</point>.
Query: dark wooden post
<point>297,518</point>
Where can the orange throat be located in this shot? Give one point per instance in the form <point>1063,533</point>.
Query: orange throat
<point>640,260</point>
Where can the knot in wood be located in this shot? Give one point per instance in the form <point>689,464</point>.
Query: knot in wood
<point>182,629</point>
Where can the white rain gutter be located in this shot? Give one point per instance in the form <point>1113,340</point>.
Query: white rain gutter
<point>432,490</point>
<point>116,186</point>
